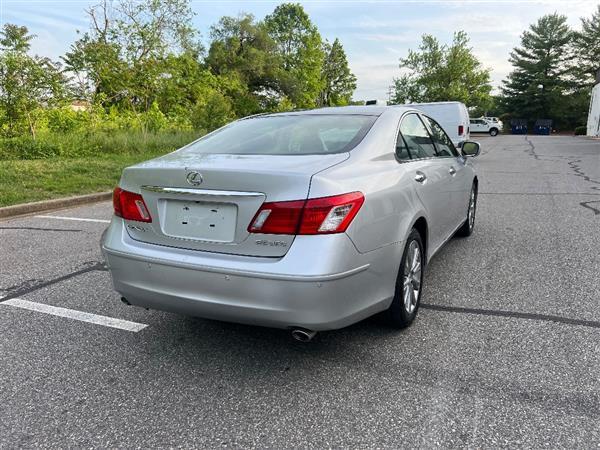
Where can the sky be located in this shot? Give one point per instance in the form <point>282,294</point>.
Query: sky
<point>375,34</point>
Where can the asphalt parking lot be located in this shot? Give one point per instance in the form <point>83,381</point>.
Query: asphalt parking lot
<point>505,351</point>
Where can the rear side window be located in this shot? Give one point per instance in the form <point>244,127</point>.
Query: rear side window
<point>294,134</point>
<point>401,148</point>
<point>445,147</point>
<point>418,142</point>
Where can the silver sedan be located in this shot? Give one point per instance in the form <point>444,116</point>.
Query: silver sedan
<point>307,220</point>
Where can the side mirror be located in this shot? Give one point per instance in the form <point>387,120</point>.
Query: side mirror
<point>470,148</point>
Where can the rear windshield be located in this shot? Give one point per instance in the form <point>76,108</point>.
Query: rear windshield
<point>287,135</point>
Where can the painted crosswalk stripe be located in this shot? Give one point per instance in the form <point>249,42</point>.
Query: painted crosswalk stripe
<point>76,315</point>
<point>80,219</point>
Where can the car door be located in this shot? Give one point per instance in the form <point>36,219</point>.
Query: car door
<point>482,126</point>
<point>460,181</point>
<point>429,174</point>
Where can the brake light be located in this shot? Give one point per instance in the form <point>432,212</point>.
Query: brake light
<point>330,214</point>
<point>461,129</point>
<point>130,206</point>
<point>324,215</point>
<point>277,218</point>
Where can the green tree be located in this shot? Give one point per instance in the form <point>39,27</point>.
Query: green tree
<point>16,38</point>
<point>242,50</point>
<point>438,72</point>
<point>125,55</point>
<point>27,83</point>
<point>213,113</point>
<point>183,82</point>
<point>299,45</point>
<point>587,47</point>
<point>539,85</point>
<point>339,82</point>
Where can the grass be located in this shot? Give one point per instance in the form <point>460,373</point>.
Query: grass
<point>24,181</point>
<point>82,165</point>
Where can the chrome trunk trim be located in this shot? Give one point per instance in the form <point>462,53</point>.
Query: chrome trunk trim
<point>192,191</point>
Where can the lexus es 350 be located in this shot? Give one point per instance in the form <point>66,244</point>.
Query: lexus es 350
<point>307,220</point>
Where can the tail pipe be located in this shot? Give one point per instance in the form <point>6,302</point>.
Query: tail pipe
<point>303,335</point>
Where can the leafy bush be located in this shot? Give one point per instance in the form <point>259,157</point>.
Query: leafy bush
<point>580,131</point>
<point>154,119</point>
<point>66,120</point>
<point>215,112</point>
<point>25,147</point>
<point>134,142</point>
<point>81,144</point>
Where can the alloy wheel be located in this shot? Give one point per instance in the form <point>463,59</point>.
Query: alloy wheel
<point>472,207</point>
<point>412,276</point>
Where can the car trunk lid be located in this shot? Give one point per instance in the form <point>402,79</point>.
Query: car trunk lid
<point>206,202</point>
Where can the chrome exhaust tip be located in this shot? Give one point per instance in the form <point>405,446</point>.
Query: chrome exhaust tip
<point>302,335</point>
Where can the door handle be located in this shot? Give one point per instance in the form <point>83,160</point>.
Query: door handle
<point>452,171</point>
<point>420,177</point>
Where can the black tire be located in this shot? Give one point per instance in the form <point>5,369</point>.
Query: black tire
<point>398,314</point>
<point>493,131</point>
<point>469,225</point>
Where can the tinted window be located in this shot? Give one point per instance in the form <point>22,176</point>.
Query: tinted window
<point>443,143</point>
<point>287,135</point>
<point>401,148</point>
<point>417,137</point>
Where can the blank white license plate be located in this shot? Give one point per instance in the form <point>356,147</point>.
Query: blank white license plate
<point>201,220</point>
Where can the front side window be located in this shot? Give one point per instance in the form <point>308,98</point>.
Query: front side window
<point>417,137</point>
<point>293,134</point>
<point>445,147</point>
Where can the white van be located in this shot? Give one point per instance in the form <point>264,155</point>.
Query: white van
<point>452,116</point>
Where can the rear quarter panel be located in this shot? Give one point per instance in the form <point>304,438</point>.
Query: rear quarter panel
<point>391,205</point>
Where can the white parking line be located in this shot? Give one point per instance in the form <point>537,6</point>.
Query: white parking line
<point>76,315</point>
<point>80,219</point>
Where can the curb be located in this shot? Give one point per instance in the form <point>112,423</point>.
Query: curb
<point>46,205</point>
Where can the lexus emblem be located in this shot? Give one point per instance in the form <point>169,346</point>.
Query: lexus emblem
<point>194,178</point>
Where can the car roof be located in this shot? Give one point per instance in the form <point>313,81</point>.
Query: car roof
<point>360,110</point>
<point>434,103</point>
<point>371,110</point>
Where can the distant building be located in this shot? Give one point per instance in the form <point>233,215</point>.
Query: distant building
<point>80,105</point>
<point>593,124</point>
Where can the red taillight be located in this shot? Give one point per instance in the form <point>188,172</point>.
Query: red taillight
<point>277,218</point>
<point>313,216</point>
<point>130,206</point>
<point>330,214</point>
<point>461,129</point>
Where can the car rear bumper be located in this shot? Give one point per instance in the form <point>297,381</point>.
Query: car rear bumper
<point>321,283</point>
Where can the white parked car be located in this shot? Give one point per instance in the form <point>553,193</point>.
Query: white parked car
<point>452,116</point>
<point>493,120</point>
<point>482,125</point>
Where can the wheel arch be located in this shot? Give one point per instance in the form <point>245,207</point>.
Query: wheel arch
<point>423,229</point>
